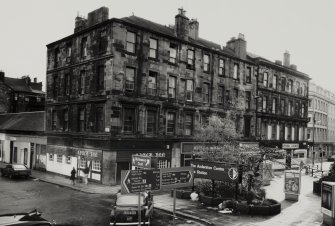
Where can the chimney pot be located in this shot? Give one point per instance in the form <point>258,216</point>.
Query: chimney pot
<point>287,59</point>
<point>35,80</point>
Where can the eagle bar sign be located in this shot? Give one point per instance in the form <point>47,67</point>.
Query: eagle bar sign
<point>215,171</point>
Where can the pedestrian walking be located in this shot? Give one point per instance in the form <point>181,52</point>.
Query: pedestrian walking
<point>73,176</point>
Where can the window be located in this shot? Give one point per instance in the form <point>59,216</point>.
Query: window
<point>130,79</point>
<point>206,63</point>
<point>188,124</point>
<point>274,81</point>
<point>247,100</point>
<point>282,131</point>
<point>282,107</point>
<point>274,104</point>
<point>54,120</point>
<point>82,82</point>
<point>55,87</point>
<point>248,75</point>
<point>56,56</point>
<point>152,83</point>
<point>221,94</point>
<point>25,156</point>
<point>173,53</point>
<point>236,69</point>
<point>205,93</point>
<point>51,157</point>
<point>83,47</point>
<point>290,86</point>
<point>302,111</point>
<point>65,120</point>
<point>274,131</point>
<point>153,48</point>
<point>60,158</point>
<point>131,42</point>
<point>103,42</point>
<point>66,84</point>
<point>297,109</point>
<point>221,67</point>
<point>289,132</point>
<point>171,123</point>
<point>228,96</point>
<point>100,77</point>
<point>68,50</point>
<point>68,159</point>
<point>283,83</point>
<point>81,120</point>
<point>189,90</point>
<point>265,79</point>
<point>96,165</point>
<point>190,59</point>
<point>172,87</point>
<point>83,163</point>
<point>289,108</point>
<point>151,121</point>
<point>265,99</point>
<point>236,94</point>
<point>99,119</point>
<point>297,88</point>
<point>129,120</point>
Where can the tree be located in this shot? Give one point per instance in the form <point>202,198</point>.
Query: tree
<point>222,133</point>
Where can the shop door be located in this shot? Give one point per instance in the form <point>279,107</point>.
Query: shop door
<point>121,166</point>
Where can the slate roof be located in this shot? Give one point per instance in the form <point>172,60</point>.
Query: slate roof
<point>24,121</point>
<point>17,84</point>
<point>162,29</point>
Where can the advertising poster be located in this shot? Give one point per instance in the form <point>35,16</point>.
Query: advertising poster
<point>292,182</point>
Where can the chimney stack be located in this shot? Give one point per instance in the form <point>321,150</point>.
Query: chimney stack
<point>287,59</point>
<point>194,29</point>
<point>2,76</point>
<point>239,46</point>
<point>97,16</point>
<point>181,24</point>
<point>80,24</point>
<point>35,80</point>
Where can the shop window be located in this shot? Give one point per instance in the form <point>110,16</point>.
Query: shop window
<point>151,121</point>
<point>129,120</point>
<point>130,79</point>
<point>163,164</point>
<point>173,53</point>
<point>171,122</point>
<point>51,157</point>
<point>152,83</point>
<point>221,67</point>
<point>83,163</point>
<point>131,42</point>
<point>96,165</point>
<point>60,158</point>
<point>153,48</point>
<point>68,160</point>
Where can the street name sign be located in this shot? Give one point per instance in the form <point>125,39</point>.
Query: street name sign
<point>215,170</point>
<point>140,180</point>
<point>176,177</point>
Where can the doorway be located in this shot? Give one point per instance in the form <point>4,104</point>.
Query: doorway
<point>121,166</point>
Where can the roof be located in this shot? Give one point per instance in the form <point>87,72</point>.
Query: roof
<point>17,84</point>
<point>24,121</point>
<point>165,30</point>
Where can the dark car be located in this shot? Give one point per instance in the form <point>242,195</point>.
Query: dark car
<point>125,210</point>
<point>15,170</point>
<point>32,218</point>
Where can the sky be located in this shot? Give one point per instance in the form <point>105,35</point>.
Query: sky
<point>305,28</point>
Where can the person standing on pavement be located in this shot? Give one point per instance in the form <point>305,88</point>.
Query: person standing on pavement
<point>73,176</point>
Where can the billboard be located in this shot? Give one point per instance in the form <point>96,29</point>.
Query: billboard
<point>292,182</point>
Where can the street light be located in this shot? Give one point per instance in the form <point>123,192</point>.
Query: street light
<point>314,121</point>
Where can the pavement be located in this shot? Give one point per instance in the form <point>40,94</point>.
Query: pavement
<point>307,211</point>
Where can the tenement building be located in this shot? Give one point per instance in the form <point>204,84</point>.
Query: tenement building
<point>282,101</point>
<point>321,127</point>
<point>118,87</point>
<point>20,94</point>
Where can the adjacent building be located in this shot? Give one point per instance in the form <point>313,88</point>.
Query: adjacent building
<point>119,87</point>
<point>20,94</point>
<point>22,139</point>
<point>321,126</point>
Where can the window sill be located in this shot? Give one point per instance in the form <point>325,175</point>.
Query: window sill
<point>130,53</point>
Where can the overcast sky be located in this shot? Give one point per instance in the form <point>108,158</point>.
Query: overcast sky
<point>306,28</point>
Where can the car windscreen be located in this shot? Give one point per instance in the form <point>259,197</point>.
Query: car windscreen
<point>128,200</point>
<point>19,167</point>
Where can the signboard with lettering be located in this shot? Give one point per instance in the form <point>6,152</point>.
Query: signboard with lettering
<point>290,146</point>
<point>140,161</point>
<point>190,147</point>
<point>176,177</point>
<point>215,171</point>
<point>140,180</point>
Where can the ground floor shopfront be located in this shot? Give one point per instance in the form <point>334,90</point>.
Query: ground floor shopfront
<point>29,150</point>
<point>106,159</point>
